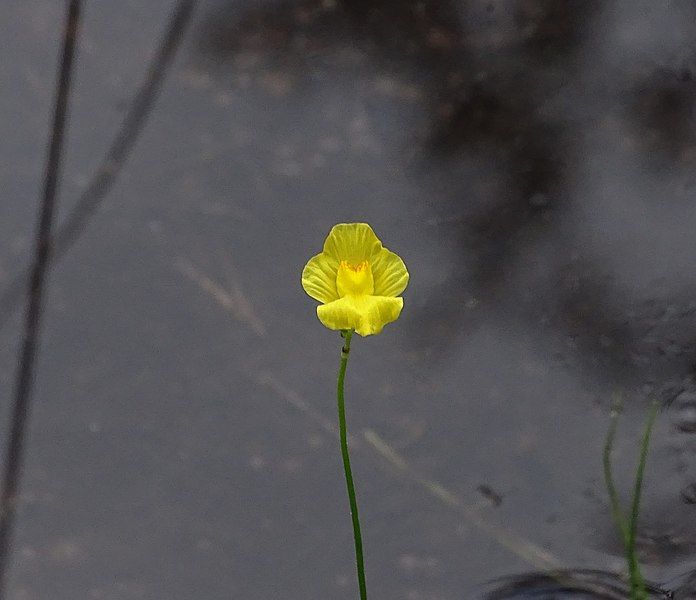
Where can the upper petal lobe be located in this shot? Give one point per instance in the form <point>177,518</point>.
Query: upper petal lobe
<point>352,242</point>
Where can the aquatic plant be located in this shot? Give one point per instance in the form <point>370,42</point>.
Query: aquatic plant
<point>627,527</point>
<point>358,283</point>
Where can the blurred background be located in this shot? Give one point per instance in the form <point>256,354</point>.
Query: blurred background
<point>532,161</point>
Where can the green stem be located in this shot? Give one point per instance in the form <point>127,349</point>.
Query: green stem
<point>638,583</point>
<point>347,335</point>
<point>628,528</point>
<point>616,512</point>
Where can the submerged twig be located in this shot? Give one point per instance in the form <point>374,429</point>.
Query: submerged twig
<point>233,301</point>
<point>526,550</point>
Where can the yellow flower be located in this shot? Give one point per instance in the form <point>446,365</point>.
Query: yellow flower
<point>356,279</point>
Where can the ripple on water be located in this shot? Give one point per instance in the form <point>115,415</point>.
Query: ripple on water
<point>683,412</point>
<point>575,584</point>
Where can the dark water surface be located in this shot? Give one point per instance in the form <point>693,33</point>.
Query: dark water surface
<point>532,161</point>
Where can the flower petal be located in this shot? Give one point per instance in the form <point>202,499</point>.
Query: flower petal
<point>319,278</point>
<point>389,273</point>
<point>366,314</point>
<point>352,242</point>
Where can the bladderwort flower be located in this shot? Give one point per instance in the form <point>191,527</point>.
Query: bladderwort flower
<point>358,282</point>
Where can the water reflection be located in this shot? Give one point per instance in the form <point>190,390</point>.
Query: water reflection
<point>531,159</point>
<point>494,80</point>
<point>513,115</point>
